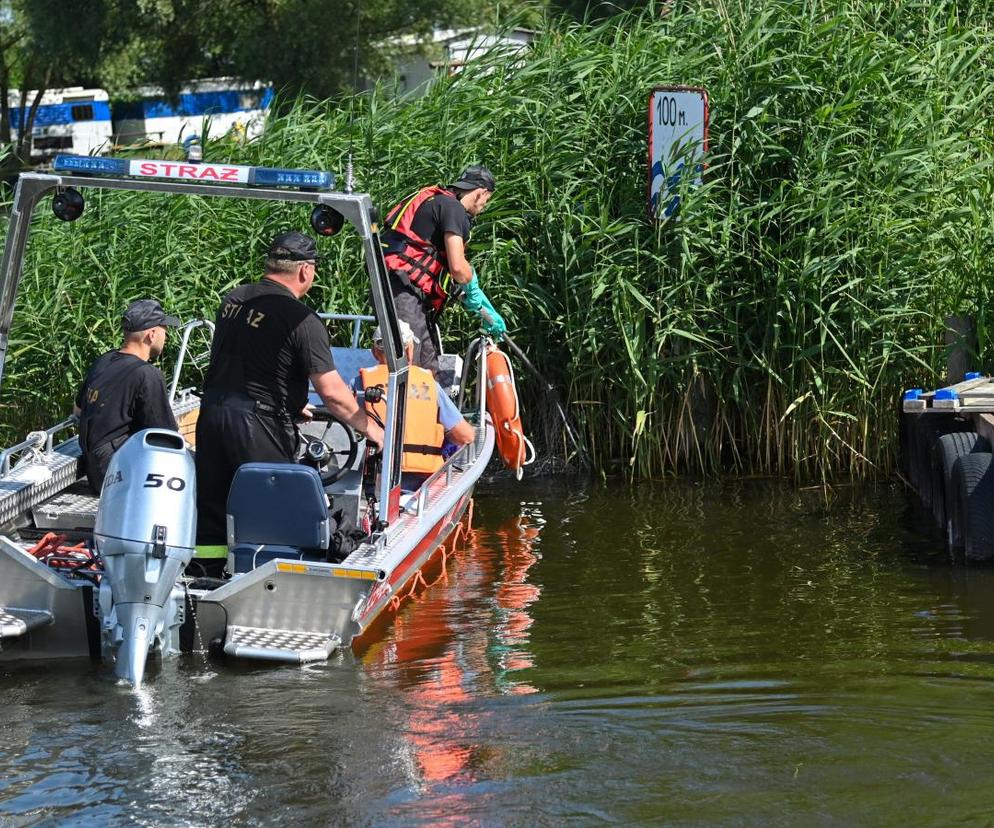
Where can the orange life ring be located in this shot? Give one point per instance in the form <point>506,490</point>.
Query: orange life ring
<point>502,403</point>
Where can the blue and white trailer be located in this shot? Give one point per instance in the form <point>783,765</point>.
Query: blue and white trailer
<point>205,109</point>
<point>74,119</point>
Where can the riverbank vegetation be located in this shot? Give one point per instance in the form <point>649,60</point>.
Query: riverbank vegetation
<point>769,329</point>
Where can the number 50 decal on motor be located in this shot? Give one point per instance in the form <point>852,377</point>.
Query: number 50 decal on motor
<point>154,481</point>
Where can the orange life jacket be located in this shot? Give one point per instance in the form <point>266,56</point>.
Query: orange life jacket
<point>413,258</point>
<point>423,434</point>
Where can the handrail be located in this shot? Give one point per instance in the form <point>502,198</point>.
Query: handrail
<point>188,328</point>
<point>35,440</point>
<point>355,318</point>
<point>68,422</point>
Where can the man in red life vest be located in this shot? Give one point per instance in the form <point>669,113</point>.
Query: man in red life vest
<point>424,246</point>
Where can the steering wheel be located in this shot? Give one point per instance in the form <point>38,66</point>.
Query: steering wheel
<point>318,451</point>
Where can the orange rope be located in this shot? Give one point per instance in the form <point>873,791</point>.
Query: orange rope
<point>459,531</point>
<point>52,546</point>
<point>49,543</point>
<point>397,600</point>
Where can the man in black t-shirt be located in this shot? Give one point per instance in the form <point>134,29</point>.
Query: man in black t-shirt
<point>424,241</point>
<point>267,345</point>
<point>122,394</point>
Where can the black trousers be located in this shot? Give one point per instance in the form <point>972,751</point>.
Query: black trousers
<point>229,433</point>
<point>98,459</point>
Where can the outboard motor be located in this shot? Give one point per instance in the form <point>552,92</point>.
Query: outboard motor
<point>145,533</point>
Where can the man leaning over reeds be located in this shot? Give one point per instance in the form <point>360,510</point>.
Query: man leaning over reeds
<point>424,243</point>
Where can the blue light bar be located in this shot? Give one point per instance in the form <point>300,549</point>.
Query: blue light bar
<point>274,177</point>
<point>946,394</point>
<point>90,164</point>
<point>196,173</point>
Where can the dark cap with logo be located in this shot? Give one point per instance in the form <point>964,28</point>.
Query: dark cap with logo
<point>143,314</point>
<point>294,247</point>
<point>473,177</point>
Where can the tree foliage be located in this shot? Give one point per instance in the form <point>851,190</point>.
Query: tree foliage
<point>301,46</point>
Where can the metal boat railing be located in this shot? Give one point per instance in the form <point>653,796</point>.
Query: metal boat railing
<point>37,440</point>
<point>356,319</point>
<point>188,328</point>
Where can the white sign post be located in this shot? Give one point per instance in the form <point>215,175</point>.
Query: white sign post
<point>678,137</point>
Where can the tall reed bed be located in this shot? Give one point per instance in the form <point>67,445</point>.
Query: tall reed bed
<point>769,329</point>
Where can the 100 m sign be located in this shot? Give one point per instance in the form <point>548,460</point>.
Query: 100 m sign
<point>669,112</point>
<point>678,138</point>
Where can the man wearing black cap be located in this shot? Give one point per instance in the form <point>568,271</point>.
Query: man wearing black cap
<point>122,392</point>
<point>424,246</point>
<point>267,345</point>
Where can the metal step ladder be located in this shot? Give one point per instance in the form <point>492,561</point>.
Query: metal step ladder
<point>16,622</point>
<point>292,646</point>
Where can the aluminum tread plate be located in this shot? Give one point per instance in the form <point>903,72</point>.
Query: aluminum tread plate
<point>67,510</point>
<point>30,484</point>
<point>374,556</point>
<point>16,622</point>
<point>295,646</point>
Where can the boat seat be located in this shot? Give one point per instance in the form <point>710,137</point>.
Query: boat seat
<point>348,361</point>
<point>276,510</point>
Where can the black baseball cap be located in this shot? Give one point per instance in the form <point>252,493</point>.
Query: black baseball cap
<point>475,176</point>
<point>295,247</point>
<point>143,314</point>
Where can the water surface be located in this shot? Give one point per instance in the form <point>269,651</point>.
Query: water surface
<point>667,654</point>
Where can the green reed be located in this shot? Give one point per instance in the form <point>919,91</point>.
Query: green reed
<point>770,328</point>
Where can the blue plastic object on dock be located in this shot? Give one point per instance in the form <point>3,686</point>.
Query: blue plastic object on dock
<point>972,375</point>
<point>946,394</point>
<point>913,394</point>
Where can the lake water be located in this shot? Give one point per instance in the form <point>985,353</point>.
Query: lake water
<point>683,654</point>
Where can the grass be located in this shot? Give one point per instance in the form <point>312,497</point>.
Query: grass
<point>768,330</point>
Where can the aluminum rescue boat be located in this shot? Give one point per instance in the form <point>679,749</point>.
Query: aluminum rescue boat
<point>116,577</point>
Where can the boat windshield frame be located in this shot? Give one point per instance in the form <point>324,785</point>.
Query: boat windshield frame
<point>356,208</point>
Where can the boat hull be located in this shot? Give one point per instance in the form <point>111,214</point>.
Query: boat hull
<point>290,610</point>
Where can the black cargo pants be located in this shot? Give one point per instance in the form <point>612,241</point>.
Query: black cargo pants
<point>234,429</point>
<point>98,459</point>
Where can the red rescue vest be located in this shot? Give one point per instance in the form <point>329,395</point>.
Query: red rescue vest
<point>423,434</point>
<point>414,259</point>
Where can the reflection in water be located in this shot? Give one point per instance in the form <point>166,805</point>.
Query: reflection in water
<point>743,654</point>
<point>517,538</point>
<point>438,654</point>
